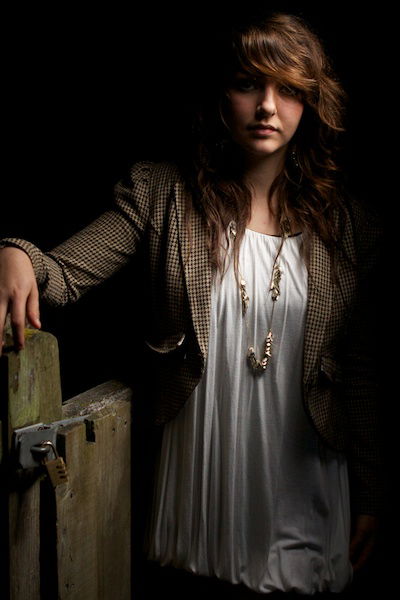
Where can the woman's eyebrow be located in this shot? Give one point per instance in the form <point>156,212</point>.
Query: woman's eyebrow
<point>244,75</point>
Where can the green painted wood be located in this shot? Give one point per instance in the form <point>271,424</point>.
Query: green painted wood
<point>24,538</point>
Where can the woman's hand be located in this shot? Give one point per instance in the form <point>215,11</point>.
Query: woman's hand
<point>363,539</point>
<point>19,294</point>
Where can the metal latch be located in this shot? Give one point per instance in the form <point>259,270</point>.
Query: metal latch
<point>26,438</point>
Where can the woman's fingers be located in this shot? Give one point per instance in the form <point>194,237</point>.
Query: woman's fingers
<point>21,310</point>
<point>18,320</point>
<point>3,315</point>
<point>32,308</point>
<point>362,552</point>
<point>18,293</point>
<point>363,540</point>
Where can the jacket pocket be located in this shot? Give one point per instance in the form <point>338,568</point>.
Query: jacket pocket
<point>167,352</point>
<point>166,345</point>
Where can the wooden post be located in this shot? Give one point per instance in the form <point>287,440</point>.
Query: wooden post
<point>30,392</point>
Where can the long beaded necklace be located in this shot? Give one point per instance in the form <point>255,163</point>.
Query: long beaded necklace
<point>260,365</point>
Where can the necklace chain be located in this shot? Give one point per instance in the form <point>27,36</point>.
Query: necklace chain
<point>260,365</point>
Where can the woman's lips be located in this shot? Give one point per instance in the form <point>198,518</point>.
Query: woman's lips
<point>263,131</point>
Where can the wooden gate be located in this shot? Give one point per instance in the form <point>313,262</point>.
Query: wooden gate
<point>74,541</point>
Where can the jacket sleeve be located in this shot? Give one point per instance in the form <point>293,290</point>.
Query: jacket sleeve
<point>99,250</point>
<point>360,370</point>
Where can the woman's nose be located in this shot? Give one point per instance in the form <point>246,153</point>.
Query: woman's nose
<point>267,100</point>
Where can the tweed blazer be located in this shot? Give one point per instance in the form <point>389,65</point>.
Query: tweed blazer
<point>339,389</point>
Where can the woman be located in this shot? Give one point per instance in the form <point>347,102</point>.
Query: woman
<point>257,271</point>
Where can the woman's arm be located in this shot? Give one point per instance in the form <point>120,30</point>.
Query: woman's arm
<point>361,392</point>
<point>360,373</point>
<point>80,263</point>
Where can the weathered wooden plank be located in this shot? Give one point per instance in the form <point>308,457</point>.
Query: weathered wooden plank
<point>24,538</point>
<point>94,507</point>
<point>31,392</point>
<point>33,375</point>
<point>96,399</point>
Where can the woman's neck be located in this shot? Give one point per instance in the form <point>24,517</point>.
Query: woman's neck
<point>260,175</point>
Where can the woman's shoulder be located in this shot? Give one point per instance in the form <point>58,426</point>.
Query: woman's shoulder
<point>145,181</point>
<point>366,227</point>
<point>157,172</point>
<point>364,216</point>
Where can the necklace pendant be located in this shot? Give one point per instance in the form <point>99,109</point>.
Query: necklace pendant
<point>276,279</point>
<point>253,362</point>
<point>261,365</point>
<point>244,297</point>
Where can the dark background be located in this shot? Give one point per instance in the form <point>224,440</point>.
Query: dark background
<point>89,92</point>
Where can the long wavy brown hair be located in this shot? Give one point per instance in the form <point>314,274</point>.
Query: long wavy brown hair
<point>283,47</point>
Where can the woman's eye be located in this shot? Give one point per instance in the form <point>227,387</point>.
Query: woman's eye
<point>246,85</point>
<point>289,91</point>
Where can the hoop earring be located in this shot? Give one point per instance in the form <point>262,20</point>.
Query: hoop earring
<point>293,156</point>
<point>221,145</point>
<point>294,172</point>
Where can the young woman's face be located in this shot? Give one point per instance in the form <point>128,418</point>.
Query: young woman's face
<point>262,115</point>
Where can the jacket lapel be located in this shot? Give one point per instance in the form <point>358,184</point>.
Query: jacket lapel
<point>320,296</point>
<point>197,268</point>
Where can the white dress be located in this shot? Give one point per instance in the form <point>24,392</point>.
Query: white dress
<point>245,490</point>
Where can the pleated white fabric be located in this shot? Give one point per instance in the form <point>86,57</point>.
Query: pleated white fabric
<point>245,490</point>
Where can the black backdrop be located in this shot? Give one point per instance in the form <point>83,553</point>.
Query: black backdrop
<point>89,92</point>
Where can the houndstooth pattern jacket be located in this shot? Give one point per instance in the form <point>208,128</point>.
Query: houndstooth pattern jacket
<point>339,392</point>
